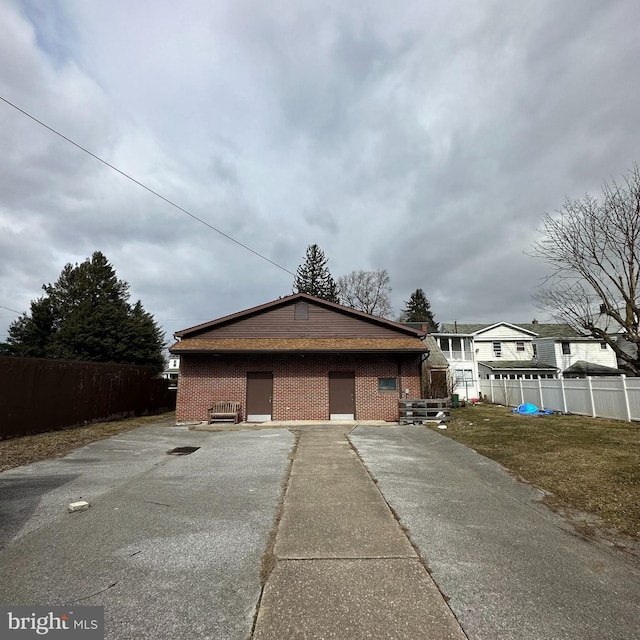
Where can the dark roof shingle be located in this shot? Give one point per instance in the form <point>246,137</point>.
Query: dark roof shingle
<point>298,345</point>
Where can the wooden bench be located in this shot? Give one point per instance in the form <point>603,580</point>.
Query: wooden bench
<point>226,411</point>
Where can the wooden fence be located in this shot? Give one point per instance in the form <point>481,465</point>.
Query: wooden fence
<point>616,397</point>
<point>38,395</point>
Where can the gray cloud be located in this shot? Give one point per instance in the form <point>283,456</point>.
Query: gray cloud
<point>427,139</point>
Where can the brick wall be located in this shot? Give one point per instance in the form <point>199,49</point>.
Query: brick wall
<point>300,384</point>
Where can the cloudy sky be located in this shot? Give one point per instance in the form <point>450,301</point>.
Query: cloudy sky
<point>423,137</point>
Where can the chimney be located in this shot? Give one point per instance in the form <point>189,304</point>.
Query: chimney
<point>423,327</point>
<point>534,321</point>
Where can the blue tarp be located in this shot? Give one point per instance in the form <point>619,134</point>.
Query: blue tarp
<point>531,410</point>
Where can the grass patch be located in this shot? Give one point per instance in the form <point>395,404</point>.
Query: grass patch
<point>21,450</point>
<point>590,464</point>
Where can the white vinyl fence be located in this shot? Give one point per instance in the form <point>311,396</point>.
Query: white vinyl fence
<point>615,397</point>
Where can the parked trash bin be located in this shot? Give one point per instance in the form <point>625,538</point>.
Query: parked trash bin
<point>455,401</point>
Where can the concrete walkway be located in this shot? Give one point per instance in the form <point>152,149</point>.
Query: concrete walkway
<point>344,567</point>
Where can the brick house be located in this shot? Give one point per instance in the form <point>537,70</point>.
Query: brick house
<point>299,358</point>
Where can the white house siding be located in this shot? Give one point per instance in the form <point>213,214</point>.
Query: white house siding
<point>587,351</point>
<point>508,337</point>
<point>546,350</point>
<point>459,355</point>
<point>467,386</point>
<point>503,332</point>
<point>508,349</point>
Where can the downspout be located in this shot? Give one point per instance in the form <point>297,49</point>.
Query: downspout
<point>400,388</point>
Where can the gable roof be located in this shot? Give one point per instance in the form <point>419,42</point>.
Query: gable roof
<point>292,299</point>
<point>276,328</point>
<point>538,330</point>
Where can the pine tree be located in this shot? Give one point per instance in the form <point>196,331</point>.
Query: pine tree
<point>85,315</point>
<point>418,309</point>
<point>313,276</point>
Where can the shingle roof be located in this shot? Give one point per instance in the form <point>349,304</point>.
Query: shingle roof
<point>541,330</point>
<point>552,330</point>
<point>517,364</point>
<point>298,345</point>
<point>436,359</point>
<point>592,369</point>
<point>462,328</point>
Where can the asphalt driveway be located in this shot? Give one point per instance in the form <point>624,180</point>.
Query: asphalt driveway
<point>171,546</point>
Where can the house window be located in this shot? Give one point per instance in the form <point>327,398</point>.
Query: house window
<point>535,350</point>
<point>463,375</point>
<point>497,349</point>
<point>444,344</point>
<point>519,346</point>
<point>387,384</point>
<point>566,348</point>
<point>301,311</point>
<point>603,345</point>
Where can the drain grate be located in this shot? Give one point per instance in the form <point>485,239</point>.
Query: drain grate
<point>182,451</point>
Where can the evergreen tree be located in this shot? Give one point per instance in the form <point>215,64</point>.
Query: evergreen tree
<point>313,276</point>
<point>418,309</point>
<point>85,315</point>
<point>31,336</point>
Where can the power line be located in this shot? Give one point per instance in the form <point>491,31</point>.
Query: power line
<point>144,186</point>
<point>7,308</point>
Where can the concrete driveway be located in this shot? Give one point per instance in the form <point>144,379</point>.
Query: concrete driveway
<point>171,545</point>
<point>510,568</point>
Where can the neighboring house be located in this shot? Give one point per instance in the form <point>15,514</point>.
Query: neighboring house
<point>456,345</point>
<point>299,358</point>
<point>529,351</point>
<point>507,350</point>
<point>435,366</point>
<point>578,356</point>
<point>172,371</point>
<point>498,350</point>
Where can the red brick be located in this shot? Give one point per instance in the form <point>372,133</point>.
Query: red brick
<point>300,384</point>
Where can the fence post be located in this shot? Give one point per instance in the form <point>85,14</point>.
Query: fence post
<point>593,404</point>
<point>564,396</point>
<point>521,391</point>
<point>623,379</point>
<point>491,387</point>
<point>540,393</point>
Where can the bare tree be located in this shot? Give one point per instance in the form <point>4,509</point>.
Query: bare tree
<point>367,291</point>
<point>593,247</point>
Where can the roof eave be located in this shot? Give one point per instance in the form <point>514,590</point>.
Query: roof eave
<point>222,352</point>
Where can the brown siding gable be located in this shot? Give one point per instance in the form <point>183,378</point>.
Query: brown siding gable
<point>276,319</point>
